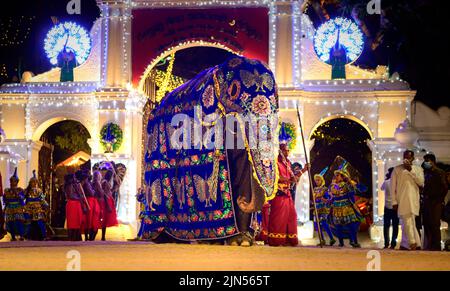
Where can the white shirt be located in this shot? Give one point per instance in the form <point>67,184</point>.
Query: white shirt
<point>405,189</point>
<point>386,187</point>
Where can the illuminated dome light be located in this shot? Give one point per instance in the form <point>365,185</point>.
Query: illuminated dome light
<point>350,38</point>
<point>69,36</point>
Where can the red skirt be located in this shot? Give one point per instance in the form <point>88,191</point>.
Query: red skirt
<point>74,214</point>
<point>109,218</point>
<point>263,235</point>
<point>93,216</point>
<point>282,221</point>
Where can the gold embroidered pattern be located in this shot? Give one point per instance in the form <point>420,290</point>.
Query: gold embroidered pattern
<point>281,235</point>
<point>207,190</point>
<point>179,191</point>
<point>154,194</point>
<point>261,81</point>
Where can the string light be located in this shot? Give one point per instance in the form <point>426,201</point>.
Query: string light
<point>164,86</point>
<point>358,98</point>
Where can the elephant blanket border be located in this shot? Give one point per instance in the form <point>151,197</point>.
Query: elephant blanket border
<point>188,191</point>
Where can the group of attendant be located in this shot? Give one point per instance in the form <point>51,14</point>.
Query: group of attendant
<point>336,210</point>
<point>25,210</point>
<point>90,204</point>
<point>415,195</point>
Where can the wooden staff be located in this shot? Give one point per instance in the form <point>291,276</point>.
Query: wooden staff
<point>310,181</point>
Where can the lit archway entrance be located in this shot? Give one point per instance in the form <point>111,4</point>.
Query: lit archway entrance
<point>64,150</point>
<point>342,142</point>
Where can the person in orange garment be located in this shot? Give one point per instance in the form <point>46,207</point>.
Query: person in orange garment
<point>74,210</point>
<point>109,215</point>
<point>93,223</point>
<point>282,228</point>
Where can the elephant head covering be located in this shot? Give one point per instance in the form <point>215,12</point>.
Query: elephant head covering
<point>187,176</point>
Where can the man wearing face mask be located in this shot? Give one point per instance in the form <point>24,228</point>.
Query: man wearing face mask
<point>434,193</point>
<point>405,182</point>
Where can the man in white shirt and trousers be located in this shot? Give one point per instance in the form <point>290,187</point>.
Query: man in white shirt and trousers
<point>405,182</point>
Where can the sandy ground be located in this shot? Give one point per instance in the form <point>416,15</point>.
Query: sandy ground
<point>147,256</point>
<point>119,254</point>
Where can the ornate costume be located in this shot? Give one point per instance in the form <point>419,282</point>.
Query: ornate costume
<point>283,217</point>
<point>323,200</point>
<point>14,199</point>
<point>35,210</point>
<point>345,217</point>
<point>202,191</point>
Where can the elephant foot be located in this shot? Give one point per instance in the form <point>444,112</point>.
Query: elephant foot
<point>242,239</point>
<point>245,243</point>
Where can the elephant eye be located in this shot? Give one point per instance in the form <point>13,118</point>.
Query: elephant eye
<point>233,89</point>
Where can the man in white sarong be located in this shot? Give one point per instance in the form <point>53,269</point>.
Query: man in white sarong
<point>405,182</point>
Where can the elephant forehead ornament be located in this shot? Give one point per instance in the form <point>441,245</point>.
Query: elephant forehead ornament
<point>187,164</point>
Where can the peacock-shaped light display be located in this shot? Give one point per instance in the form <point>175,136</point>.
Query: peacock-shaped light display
<point>67,37</point>
<point>341,32</point>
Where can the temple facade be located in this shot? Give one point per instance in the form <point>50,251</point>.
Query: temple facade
<point>111,87</point>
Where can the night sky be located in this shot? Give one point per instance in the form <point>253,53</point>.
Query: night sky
<point>418,48</point>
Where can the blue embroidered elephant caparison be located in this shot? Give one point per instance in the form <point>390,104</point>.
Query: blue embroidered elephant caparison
<point>188,191</point>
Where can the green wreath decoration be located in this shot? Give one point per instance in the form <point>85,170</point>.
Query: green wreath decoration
<point>111,137</point>
<point>292,132</point>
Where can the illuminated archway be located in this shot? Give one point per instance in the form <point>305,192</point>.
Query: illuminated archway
<point>343,116</point>
<point>174,49</point>
<point>64,149</point>
<point>43,126</point>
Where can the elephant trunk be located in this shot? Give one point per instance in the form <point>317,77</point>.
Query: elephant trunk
<point>257,199</point>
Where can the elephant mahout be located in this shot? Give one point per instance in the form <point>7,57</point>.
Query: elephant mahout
<point>210,156</point>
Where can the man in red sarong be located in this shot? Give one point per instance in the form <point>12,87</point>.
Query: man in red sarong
<point>283,217</point>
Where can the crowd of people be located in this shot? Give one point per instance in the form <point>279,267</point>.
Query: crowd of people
<point>90,206</point>
<point>25,210</point>
<point>416,195</point>
<point>336,211</point>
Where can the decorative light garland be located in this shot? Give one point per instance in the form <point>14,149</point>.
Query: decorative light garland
<point>167,76</point>
<point>175,48</point>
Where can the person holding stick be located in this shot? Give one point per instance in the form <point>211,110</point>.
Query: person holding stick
<point>74,209</point>
<point>283,217</point>
<point>109,215</point>
<point>93,216</point>
<point>323,199</point>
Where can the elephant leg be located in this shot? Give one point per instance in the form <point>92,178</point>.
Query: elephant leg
<point>240,175</point>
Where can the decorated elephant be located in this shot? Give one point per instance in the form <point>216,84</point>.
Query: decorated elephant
<point>210,161</point>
